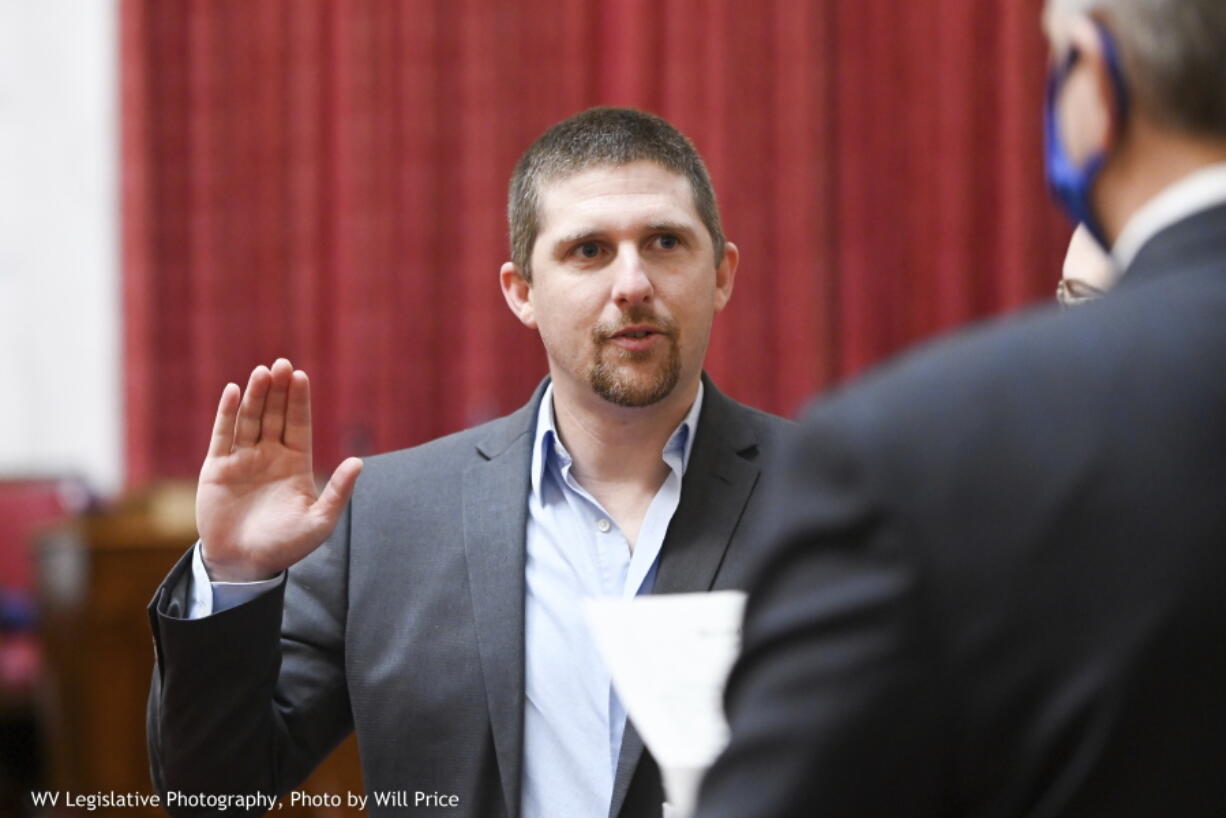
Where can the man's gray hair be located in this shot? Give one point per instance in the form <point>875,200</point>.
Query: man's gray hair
<point>1174,54</point>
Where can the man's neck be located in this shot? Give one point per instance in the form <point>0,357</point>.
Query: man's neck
<point>1155,160</point>
<point>612,444</point>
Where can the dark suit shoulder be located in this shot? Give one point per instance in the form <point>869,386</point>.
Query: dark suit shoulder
<point>1048,376</point>
<point>1036,433</point>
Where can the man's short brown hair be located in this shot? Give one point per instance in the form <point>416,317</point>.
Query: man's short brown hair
<point>602,136</point>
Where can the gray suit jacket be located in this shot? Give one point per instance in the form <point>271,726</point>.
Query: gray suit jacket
<point>408,626</point>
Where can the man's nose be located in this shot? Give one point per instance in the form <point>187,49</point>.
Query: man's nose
<point>632,280</point>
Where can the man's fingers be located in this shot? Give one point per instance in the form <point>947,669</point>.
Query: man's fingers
<point>273,423</point>
<point>223,424</point>
<point>338,491</point>
<point>297,434</point>
<point>250,411</point>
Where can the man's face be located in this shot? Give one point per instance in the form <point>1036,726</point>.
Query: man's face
<point>624,283</point>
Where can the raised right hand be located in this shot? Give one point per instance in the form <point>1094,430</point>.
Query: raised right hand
<point>256,506</point>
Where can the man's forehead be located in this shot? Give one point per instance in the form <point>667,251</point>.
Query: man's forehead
<point>650,190</point>
<point>641,174</point>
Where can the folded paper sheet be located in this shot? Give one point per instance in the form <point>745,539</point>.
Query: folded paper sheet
<point>669,656</point>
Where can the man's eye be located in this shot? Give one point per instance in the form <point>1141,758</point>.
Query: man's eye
<point>668,242</point>
<point>589,249</point>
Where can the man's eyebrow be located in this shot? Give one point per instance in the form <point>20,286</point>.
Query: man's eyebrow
<point>577,236</point>
<point>671,227</point>
<point>591,234</point>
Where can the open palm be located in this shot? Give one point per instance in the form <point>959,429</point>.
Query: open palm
<point>256,505</point>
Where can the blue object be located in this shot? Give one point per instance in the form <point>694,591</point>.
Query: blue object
<point>1072,184</point>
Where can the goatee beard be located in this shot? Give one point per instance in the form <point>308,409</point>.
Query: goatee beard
<point>629,389</point>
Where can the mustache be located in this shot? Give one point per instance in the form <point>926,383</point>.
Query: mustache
<point>635,316</point>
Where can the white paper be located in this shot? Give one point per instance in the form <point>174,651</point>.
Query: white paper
<point>669,656</point>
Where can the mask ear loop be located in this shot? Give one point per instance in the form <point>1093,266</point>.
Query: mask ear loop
<point>1115,72</point>
<point>1066,177</point>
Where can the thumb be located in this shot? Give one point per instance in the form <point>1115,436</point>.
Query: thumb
<point>336,494</point>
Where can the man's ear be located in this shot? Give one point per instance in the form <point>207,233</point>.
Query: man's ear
<point>725,275</point>
<point>1096,95</point>
<point>517,290</point>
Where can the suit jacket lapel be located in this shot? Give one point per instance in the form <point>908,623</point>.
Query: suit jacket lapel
<point>495,525</point>
<point>718,483</point>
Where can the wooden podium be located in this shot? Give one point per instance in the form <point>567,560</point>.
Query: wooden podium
<point>96,576</point>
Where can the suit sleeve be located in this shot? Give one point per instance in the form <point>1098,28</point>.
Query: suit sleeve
<point>251,699</point>
<point>835,702</point>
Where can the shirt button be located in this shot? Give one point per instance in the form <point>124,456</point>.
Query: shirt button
<point>604,526</point>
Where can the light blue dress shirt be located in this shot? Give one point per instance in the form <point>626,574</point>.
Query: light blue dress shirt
<point>573,722</point>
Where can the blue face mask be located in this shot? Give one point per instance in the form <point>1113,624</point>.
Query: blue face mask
<point>1070,182</point>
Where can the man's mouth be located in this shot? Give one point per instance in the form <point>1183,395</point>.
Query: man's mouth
<point>638,331</point>
<point>636,338</point>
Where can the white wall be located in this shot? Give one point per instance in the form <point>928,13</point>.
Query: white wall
<point>59,228</point>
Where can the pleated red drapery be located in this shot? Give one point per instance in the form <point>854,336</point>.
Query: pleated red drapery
<point>326,180</point>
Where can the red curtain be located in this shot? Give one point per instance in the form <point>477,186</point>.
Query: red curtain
<point>326,180</point>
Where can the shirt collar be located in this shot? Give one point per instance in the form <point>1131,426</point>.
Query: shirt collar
<point>1196,192</point>
<point>546,444</point>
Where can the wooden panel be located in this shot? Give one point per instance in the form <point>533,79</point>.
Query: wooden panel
<point>96,577</point>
